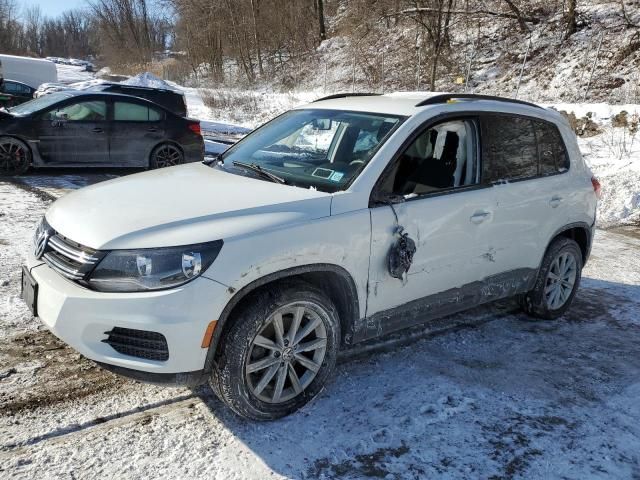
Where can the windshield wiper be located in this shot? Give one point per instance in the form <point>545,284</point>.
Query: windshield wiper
<point>254,167</point>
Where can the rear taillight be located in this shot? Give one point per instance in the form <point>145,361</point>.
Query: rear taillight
<point>597,188</point>
<point>195,128</point>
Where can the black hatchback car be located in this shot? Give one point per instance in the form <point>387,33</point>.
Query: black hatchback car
<point>95,129</point>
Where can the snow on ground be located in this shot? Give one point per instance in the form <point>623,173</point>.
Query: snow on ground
<point>72,74</point>
<point>484,394</point>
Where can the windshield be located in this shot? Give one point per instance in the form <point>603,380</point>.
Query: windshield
<point>38,104</point>
<point>324,149</point>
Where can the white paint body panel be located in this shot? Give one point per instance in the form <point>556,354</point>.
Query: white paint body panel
<point>268,228</point>
<point>32,71</point>
<point>450,248</point>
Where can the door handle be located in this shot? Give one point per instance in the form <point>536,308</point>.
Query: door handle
<point>480,217</point>
<point>97,130</point>
<point>555,201</point>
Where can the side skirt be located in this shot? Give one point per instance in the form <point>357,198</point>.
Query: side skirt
<point>445,303</point>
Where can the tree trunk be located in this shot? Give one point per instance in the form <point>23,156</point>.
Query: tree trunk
<point>255,11</point>
<point>323,32</point>
<point>516,11</point>
<point>570,19</point>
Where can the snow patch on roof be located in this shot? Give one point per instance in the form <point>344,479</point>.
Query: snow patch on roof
<point>148,80</point>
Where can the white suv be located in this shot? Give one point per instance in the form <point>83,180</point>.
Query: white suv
<point>336,222</point>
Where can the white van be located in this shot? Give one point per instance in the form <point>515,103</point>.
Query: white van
<point>32,71</point>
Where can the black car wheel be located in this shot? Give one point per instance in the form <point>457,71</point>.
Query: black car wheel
<point>15,156</point>
<point>166,155</point>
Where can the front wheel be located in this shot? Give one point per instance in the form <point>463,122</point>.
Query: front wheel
<point>166,155</point>
<point>278,353</point>
<point>558,280</point>
<point>15,156</point>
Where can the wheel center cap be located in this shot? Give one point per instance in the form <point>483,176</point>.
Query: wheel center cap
<point>287,354</point>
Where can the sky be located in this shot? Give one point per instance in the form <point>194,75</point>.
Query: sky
<point>52,8</point>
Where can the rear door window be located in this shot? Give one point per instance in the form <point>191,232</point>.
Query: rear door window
<point>509,148</point>
<point>134,112</point>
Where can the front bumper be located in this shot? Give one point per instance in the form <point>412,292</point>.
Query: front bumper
<point>80,317</point>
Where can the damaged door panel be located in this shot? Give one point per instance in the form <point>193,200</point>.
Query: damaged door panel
<point>437,202</point>
<point>449,248</point>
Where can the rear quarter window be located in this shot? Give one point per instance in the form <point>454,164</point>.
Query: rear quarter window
<point>553,154</point>
<point>517,147</point>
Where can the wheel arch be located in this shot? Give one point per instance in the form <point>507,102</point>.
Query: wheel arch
<point>580,232</point>
<point>334,280</point>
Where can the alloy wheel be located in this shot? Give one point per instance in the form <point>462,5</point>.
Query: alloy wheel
<point>13,157</point>
<point>287,353</point>
<point>560,280</point>
<point>167,156</point>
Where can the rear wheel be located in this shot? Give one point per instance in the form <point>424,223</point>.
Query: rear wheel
<point>278,353</point>
<point>558,280</point>
<point>15,156</point>
<point>166,155</point>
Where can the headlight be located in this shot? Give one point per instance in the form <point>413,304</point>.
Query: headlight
<point>152,268</point>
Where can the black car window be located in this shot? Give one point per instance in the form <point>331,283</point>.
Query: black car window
<point>552,152</point>
<point>442,157</point>
<point>509,148</point>
<point>87,111</point>
<point>133,112</point>
<point>15,88</point>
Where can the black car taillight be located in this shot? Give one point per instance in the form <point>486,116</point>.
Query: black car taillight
<point>195,128</point>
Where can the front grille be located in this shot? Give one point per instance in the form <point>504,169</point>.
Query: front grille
<point>138,343</point>
<point>70,259</point>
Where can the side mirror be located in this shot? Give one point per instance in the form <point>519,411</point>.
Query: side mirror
<point>382,198</point>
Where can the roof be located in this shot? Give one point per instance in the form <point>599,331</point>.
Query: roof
<point>408,103</point>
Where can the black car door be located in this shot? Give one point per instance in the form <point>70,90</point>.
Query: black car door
<point>136,128</point>
<point>75,132</point>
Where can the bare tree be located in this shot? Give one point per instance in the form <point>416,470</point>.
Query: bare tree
<point>518,14</point>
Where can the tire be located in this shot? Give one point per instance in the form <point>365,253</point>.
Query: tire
<point>257,382</point>
<point>550,298</point>
<point>166,155</point>
<point>15,156</point>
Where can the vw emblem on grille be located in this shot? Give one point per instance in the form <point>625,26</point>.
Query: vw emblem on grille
<point>41,243</point>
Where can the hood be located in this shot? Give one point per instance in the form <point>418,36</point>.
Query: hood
<point>179,206</point>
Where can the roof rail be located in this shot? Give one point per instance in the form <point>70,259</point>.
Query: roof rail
<point>447,97</point>
<point>344,95</point>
